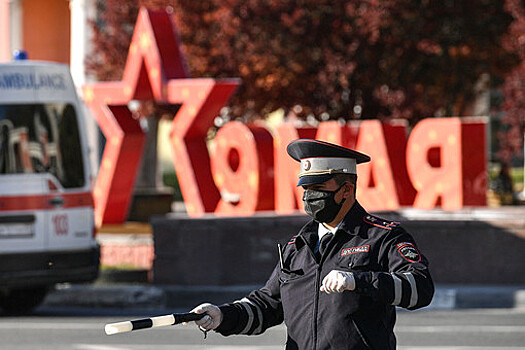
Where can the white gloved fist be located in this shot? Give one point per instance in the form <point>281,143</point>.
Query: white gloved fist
<point>338,281</point>
<point>213,318</point>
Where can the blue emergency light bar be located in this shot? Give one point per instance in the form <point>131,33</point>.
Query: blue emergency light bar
<point>20,55</point>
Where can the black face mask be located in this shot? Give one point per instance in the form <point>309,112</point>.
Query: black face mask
<point>321,205</point>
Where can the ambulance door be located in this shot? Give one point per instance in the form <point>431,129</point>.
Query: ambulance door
<point>23,202</point>
<point>70,215</point>
<point>70,218</point>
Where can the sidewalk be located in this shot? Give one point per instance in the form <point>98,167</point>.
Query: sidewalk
<point>446,297</point>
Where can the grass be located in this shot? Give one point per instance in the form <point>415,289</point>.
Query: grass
<point>515,173</point>
<point>517,178</point>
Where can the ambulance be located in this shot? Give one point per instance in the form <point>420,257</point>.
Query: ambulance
<point>47,229</point>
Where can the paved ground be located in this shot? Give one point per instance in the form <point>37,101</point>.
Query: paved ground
<point>82,329</point>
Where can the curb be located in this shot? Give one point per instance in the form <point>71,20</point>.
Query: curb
<point>470,297</point>
<point>186,297</point>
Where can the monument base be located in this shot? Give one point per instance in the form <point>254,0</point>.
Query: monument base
<point>149,202</point>
<point>473,246</point>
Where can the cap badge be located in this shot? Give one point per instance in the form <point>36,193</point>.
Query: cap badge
<point>307,165</point>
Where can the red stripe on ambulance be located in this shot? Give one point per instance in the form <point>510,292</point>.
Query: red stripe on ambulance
<point>43,202</point>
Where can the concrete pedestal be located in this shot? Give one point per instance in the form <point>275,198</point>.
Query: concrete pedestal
<point>474,246</point>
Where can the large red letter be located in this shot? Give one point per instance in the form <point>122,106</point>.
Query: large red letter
<point>395,133</point>
<point>436,178</point>
<point>242,167</point>
<point>474,160</point>
<point>375,189</point>
<point>344,135</point>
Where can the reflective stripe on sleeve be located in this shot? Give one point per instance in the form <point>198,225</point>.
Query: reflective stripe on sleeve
<point>413,289</point>
<point>249,311</point>
<point>258,330</point>
<point>398,291</point>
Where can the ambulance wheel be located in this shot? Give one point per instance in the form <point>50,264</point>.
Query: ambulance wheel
<point>22,301</point>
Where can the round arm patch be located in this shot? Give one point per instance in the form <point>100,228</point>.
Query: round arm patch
<point>409,252</point>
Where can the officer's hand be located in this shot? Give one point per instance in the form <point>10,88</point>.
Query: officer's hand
<point>338,281</point>
<point>213,318</point>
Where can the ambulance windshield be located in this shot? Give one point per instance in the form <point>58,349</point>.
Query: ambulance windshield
<point>41,138</point>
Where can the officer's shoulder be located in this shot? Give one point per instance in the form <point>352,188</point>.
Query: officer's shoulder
<point>380,222</point>
<point>292,240</point>
<point>293,244</point>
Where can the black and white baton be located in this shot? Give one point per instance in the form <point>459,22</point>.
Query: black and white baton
<point>151,322</point>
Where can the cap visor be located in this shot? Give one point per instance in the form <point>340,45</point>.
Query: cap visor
<point>313,179</point>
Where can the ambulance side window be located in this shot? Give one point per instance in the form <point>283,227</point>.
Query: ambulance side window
<point>5,162</point>
<point>73,167</point>
<point>41,138</point>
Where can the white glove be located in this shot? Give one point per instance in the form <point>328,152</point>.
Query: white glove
<point>213,318</point>
<point>338,281</point>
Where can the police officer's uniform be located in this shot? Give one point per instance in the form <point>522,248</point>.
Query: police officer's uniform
<point>386,264</point>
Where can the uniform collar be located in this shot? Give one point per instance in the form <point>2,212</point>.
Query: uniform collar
<point>308,235</point>
<point>353,219</point>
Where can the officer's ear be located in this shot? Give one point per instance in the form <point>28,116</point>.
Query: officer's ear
<point>349,189</point>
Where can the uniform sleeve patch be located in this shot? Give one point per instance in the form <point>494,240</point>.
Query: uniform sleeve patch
<point>374,220</point>
<point>409,252</point>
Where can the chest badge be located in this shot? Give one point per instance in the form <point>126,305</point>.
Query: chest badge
<point>355,250</point>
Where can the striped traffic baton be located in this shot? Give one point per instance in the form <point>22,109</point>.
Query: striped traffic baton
<point>151,322</point>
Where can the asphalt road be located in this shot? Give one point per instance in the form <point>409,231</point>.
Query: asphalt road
<point>83,329</point>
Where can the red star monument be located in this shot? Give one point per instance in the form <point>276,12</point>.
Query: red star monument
<point>155,70</point>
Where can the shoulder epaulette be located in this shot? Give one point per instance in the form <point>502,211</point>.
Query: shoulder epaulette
<point>375,221</point>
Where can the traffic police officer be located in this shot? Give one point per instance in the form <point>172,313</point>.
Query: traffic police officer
<point>339,280</point>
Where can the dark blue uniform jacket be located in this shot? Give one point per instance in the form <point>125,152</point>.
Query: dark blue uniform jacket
<point>389,271</point>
